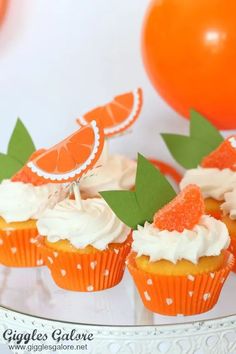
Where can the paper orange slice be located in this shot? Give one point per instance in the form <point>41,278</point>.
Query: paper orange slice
<point>117,115</point>
<point>71,158</point>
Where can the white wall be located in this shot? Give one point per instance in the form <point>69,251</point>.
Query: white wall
<point>60,58</point>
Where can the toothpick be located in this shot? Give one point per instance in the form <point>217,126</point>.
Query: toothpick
<point>78,200</point>
<point>105,153</point>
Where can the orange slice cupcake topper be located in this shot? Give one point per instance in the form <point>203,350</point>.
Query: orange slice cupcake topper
<point>117,115</point>
<point>223,157</point>
<point>68,160</point>
<point>183,212</point>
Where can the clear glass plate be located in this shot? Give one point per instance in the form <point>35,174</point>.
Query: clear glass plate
<point>33,292</point>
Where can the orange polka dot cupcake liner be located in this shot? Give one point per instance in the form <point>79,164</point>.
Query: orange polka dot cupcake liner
<point>232,249</point>
<point>18,248</point>
<point>180,295</point>
<point>85,272</point>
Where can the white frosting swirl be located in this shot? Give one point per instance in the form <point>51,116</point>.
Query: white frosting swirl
<point>229,206</point>
<point>112,172</point>
<point>95,224</point>
<point>23,201</point>
<point>208,238</point>
<point>214,183</point>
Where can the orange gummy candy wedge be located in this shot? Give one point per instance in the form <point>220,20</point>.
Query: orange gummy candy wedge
<point>24,174</point>
<point>222,157</point>
<point>183,212</point>
<point>117,115</point>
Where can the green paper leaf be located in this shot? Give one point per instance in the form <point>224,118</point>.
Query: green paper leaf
<point>8,166</point>
<point>21,145</point>
<point>125,206</point>
<point>201,129</point>
<point>203,138</point>
<point>188,152</point>
<point>152,191</point>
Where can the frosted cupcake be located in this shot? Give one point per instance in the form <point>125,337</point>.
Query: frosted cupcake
<point>83,244</point>
<point>112,172</point>
<point>216,176</point>
<point>21,204</point>
<point>229,218</point>
<point>214,184</point>
<point>179,259</point>
<point>180,262</point>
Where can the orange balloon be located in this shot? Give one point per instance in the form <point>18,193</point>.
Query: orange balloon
<point>3,7</point>
<point>189,51</point>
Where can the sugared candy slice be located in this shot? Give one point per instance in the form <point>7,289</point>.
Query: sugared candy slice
<point>223,157</point>
<point>183,212</point>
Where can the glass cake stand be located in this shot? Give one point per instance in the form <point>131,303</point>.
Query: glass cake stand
<point>29,299</point>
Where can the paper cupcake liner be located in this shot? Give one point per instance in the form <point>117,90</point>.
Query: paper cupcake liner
<point>180,295</point>
<point>232,249</point>
<point>85,272</point>
<point>18,248</point>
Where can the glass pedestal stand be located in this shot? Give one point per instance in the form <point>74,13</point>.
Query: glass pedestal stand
<point>116,318</point>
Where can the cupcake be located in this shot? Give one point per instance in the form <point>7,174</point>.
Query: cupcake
<point>21,204</point>
<point>216,176</point>
<point>209,159</point>
<point>38,186</point>
<point>214,183</point>
<point>111,172</point>
<point>83,244</point>
<point>179,260</point>
<point>229,218</point>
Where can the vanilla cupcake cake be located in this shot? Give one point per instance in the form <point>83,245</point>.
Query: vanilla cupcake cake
<point>83,244</point>
<point>216,176</point>
<point>209,158</point>
<point>180,261</point>
<point>42,182</point>
<point>214,184</point>
<point>228,208</point>
<point>21,204</point>
<point>179,258</point>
